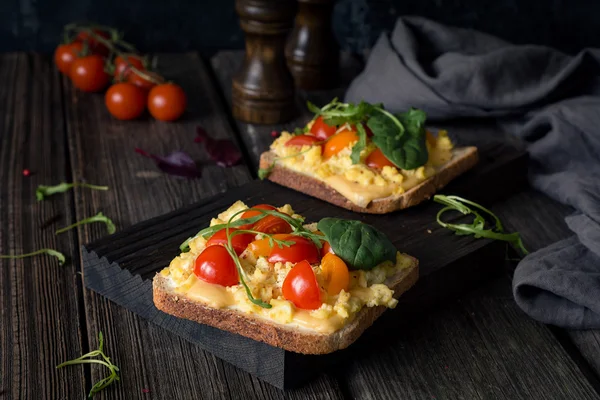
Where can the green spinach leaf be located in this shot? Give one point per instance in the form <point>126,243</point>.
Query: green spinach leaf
<point>360,145</point>
<point>401,137</point>
<point>358,244</point>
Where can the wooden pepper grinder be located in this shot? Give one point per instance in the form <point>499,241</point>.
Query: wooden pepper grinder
<point>263,89</point>
<point>311,51</point>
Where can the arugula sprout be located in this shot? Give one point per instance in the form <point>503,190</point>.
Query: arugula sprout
<point>51,252</point>
<point>110,226</point>
<point>44,191</point>
<point>478,227</point>
<point>87,359</point>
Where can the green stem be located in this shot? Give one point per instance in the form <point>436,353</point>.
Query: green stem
<point>51,252</point>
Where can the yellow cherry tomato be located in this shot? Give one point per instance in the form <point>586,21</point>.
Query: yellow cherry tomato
<point>335,274</point>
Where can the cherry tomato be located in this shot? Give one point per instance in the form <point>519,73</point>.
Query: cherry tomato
<point>94,44</point>
<point>301,288</point>
<point>167,102</point>
<point>321,130</point>
<point>302,249</point>
<point>125,101</point>
<point>239,241</point>
<point>335,274</point>
<point>124,63</point>
<point>252,213</point>
<point>262,247</point>
<point>338,142</point>
<point>302,140</point>
<point>215,265</point>
<point>378,160</point>
<point>142,82</point>
<point>272,224</point>
<point>326,249</point>
<point>87,73</point>
<point>65,54</point>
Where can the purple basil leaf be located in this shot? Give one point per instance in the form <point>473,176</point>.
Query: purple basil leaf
<point>178,163</point>
<point>222,151</point>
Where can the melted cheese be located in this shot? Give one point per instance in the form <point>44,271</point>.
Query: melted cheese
<point>357,193</point>
<point>218,296</point>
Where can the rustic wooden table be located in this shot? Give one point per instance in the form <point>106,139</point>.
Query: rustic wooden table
<point>480,346</point>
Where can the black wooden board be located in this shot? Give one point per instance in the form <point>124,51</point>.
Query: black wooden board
<point>121,266</point>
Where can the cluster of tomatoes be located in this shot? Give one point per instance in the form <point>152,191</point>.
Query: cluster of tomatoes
<point>333,141</point>
<point>92,60</point>
<point>215,265</point>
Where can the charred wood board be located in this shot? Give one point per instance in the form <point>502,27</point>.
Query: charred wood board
<point>121,266</point>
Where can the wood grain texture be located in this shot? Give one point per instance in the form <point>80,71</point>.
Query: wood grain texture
<point>39,302</point>
<point>102,152</point>
<point>480,347</point>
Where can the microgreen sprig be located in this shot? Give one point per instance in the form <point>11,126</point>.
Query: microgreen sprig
<point>51,252</point>
<point>44,191</point>
<point>87,359</point>
<point>110,226</point>
<point>478,227</point>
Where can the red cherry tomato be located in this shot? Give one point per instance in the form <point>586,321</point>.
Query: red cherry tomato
<point>302,249</point>
<point>239,241</point>
<point>215,265</point>
<point>65,54</point>
<point>124,63</point>
<point>167,102</point>
<point>378,160</point>
<point>142,82</point>
<point>302,140</point>
<point>272,224</point>
<point>326,249</point>
<point>252,213</point>
<point>125,101</point>
<point>87,73</point>
<point>95,45</point>
<point>301,288</point>
<point>321,130</point>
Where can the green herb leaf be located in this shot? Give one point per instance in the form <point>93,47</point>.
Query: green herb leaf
<point>360,245</point>
<point>43,191</point>
<point>51,252</point>
<point>300,131</point>
<point>401,138</point>
<point>478,227</point>
<point>87,359</point>
<point>110,226</point>
<point>360,145</point>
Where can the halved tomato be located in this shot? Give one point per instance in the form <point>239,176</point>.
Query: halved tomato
<point>321,130</point>
<point>302,249</point>
<point>335,274</point>
<point>215,265</point>
<point>239,241</point>
<point>272,224</point>
<point>338,142</point>
<point>378,160</point>
<point>301,287</point>
<point>302,140</point>
<point>262,247</point>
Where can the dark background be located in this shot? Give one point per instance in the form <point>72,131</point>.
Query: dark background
<point>208,25</point>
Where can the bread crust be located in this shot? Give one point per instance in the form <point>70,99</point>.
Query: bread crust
<point>464,159</point>
<point>286,337</point>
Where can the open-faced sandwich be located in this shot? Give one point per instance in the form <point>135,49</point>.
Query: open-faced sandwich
<point>366,159</point>
<point>263,273</point>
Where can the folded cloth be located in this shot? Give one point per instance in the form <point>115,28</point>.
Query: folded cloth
<point>551,100</point>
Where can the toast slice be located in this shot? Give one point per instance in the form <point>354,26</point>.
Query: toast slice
<point>287,337</point>
<point>464,158</point>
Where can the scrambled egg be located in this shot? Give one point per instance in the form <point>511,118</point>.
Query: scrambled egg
<point>367,288</point>
<point>339,172</point>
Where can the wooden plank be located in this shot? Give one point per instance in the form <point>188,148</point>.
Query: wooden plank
<point>39,299</point>
<point>102,152</point>
<point>480,347</point>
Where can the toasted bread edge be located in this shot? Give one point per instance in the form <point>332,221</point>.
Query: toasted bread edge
<point>465,158</point>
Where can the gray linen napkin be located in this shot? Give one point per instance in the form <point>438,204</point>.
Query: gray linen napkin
<point>553,101</point>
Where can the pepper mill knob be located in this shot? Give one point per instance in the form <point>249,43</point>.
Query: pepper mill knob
<point>263,89</point>
<point>311,51</point>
